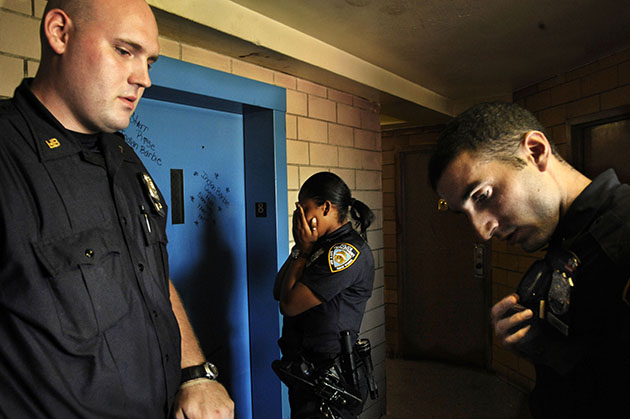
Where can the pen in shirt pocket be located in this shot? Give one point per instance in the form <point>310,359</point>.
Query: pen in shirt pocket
<point>146,218</point>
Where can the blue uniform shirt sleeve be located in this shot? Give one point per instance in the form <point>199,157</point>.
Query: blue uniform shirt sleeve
<point>338,268</point>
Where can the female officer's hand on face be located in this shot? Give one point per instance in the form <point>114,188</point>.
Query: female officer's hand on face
<point>305,233</point>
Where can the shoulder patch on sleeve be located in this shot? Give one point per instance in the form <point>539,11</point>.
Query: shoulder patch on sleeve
<point>341,256</point>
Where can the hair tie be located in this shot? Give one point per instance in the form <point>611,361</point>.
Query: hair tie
<point>352,201</point>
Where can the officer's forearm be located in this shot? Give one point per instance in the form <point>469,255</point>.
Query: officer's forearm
<point>280,278</point>
<point>191,351</point>
<point>294,272</point>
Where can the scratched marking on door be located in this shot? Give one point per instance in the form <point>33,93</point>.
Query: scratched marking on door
<point>212,199</point>
<point>140,141</point>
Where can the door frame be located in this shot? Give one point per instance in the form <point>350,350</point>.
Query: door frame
<point>263,109</point>
<point>401,234</point>
<point>577,126</point>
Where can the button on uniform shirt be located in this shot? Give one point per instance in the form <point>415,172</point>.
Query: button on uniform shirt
<point>86,325</point>
<point>340,272</point>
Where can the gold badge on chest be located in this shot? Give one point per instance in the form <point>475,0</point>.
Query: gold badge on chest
<point>153,194</point>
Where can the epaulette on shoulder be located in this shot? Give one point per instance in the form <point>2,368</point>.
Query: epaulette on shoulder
<point>612,233</point>
<point>7,107</point>
<point>9,116</point>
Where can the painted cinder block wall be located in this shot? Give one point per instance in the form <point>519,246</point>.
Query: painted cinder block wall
<point>19,41</point>
<point>327,129</point>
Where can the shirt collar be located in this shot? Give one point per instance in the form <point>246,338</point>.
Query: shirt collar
<point>52,140</point>
<point>341,231</point>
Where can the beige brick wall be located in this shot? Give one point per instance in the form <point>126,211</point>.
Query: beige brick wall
<point>19,41</point>
<point>599,86</point>
<point>326,129</point>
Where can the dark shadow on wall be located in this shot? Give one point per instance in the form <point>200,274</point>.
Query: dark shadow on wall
<point>206,293</point>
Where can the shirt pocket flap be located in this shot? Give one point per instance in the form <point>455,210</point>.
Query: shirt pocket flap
<point>88,247</point>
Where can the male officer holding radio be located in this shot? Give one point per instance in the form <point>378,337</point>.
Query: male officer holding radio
<point>90,323</point>
<point>495,164</point>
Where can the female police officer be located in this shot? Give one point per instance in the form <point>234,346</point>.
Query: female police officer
<point>323,288</point>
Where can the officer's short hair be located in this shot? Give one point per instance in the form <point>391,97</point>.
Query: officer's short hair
<point>492,130</point>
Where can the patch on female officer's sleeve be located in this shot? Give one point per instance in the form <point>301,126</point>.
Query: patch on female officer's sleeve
<point>341,256</point>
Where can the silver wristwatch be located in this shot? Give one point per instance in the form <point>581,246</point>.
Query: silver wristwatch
<point>205,370</point>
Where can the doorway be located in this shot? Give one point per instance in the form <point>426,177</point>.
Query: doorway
<point>602,141</point>
<point>215,145</point>
<point>443,306</point>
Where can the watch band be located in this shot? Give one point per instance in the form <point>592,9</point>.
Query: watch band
<point>297,253</point>
<point>205,370</point>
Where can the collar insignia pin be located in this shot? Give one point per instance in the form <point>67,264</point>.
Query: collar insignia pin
<point>53,143</point>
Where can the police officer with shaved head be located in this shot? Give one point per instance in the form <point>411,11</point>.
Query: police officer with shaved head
<point>90,323</point>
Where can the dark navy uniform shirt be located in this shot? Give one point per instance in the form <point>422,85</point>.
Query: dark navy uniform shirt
<point>588,373</point>
<point>340,272</point>
<point>86,325</point>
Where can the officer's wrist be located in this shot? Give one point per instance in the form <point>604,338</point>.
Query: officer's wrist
<point>194,382</point>
<point>297,253</point>
<point>206,371</point>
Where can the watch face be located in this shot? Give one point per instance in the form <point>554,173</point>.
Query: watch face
<point>212,372</point>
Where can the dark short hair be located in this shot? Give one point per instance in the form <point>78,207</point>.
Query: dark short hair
<point>493,130</point>
<point>327,186</point>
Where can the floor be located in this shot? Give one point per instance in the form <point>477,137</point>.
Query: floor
<point>420,389</point>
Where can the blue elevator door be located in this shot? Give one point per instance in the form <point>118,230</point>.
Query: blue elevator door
<point>196,156</point>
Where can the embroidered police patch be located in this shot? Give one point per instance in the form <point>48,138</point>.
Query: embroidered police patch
<point>341,256</point>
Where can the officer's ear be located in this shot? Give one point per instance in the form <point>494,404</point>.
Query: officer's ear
<point>327,207</point>
<point>536,149</point>
<point>56,30</point>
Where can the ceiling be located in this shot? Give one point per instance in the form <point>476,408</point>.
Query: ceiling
<point>456,51</point>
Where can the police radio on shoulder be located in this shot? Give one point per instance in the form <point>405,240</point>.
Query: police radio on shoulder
<point>205,370</point>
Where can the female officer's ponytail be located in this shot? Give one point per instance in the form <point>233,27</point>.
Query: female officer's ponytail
<point>326,186</point>
<point>363,216</point>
